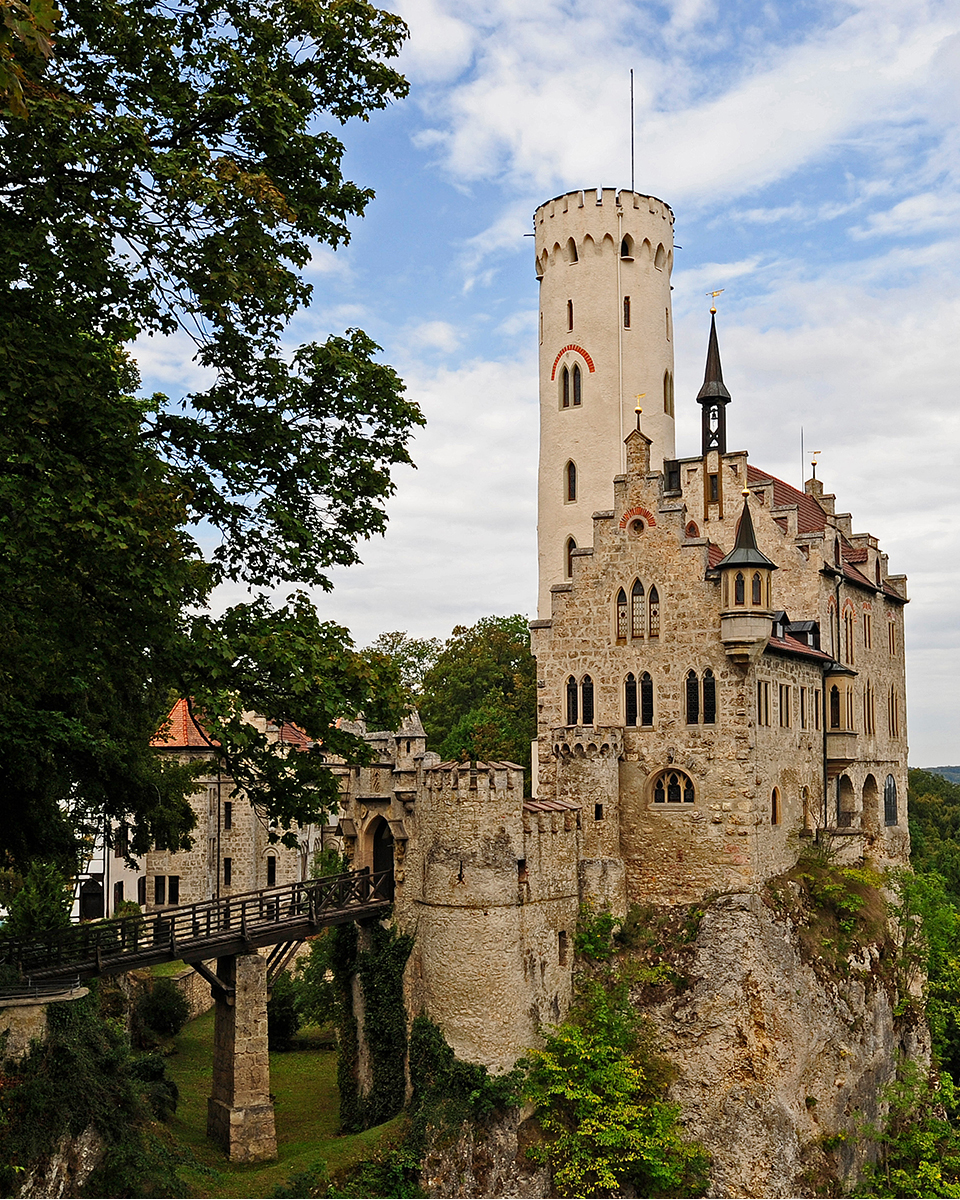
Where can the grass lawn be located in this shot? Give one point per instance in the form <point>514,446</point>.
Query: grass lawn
<point>304,1085</point>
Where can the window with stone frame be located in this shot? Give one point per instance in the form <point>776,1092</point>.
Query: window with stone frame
<point>577,385</point>
<point>785,705</point>
<point>573,701</point>
<point>692,698</point>
<point>709,697</point>
<point>637,609</point>
<point>630,699</point>
<point>890,816</point>
<point>564,388</point>
<point>646,700</point>
<point>653,608</point>
<point>586,700</point>
<point>621,617</point>
<point>673,787</point>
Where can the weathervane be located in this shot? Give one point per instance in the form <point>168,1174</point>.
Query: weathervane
<point>713,296</point>
<point>814,462</point>
<point>638,410</point>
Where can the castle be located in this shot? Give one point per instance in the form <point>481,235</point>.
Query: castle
<point>720,675</point>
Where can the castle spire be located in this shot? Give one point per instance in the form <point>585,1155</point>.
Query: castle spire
<point>713,396</point>
<point>746,552</point>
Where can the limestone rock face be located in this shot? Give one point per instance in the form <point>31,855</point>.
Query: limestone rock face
<point>489,1159</point>
<point>67,1169</point>
<point>774,1059</point>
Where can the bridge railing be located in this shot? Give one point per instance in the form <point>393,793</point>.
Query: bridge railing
<point>313,902</point>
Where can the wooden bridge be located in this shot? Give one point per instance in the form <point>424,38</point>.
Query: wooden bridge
<point>231,931</point>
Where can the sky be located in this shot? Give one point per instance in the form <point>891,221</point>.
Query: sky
<point>811,154</point>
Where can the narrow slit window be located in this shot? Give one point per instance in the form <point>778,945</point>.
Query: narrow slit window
<point>646,700</point>
<point>626,312</point>
<point>569,314</point>
<point>709,697</point>
<point>228,871</point>
<point>630,700</point>
<point>834,707</point>
<point>570,476</point>
<point>577,386</point>
<point>621,616</point>
<point>272,871</point>
<point>228,814</point>
<point>775,815</point>
<point>890,801</point>
<point>571,546</point>
<point>586,700</point>
<point>565,388</point>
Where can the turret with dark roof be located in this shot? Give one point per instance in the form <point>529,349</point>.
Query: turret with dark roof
<point>714,397</point>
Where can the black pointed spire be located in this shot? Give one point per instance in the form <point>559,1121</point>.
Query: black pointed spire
<point>714,397</point>
<point>746,552</point>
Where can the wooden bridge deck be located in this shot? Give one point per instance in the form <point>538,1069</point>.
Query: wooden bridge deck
<point>212,929</point>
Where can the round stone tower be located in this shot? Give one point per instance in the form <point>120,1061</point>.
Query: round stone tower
<point>606,335</point>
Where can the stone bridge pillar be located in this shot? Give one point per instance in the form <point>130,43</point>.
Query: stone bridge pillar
<point>240,1111</point>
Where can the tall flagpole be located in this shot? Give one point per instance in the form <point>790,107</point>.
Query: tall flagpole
<point>632,176</point>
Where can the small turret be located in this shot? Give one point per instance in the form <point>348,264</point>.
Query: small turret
<point>745,586</point>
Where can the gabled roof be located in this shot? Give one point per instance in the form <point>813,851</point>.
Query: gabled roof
<point>810,516</point>
<point>791,645</point>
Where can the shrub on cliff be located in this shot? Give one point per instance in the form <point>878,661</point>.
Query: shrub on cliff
<point>599,1090</point>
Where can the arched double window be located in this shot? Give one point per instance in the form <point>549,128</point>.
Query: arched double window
<point>637,609</point>
<point>570,482</point>
<point>565,388</point>
<point>577,385</point>
<point>573,698</point>
<point>694,693</point>
<point>673,787</point>
<point>579,701</point>
<point>638,700</point>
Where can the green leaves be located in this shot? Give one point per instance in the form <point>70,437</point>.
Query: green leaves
<point>173,172</point>
<point>598,1090</point>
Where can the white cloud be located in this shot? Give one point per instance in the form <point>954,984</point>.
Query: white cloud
<point>923,213</point>
<point>435,335</point>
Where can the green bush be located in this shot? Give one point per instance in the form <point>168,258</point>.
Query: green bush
<point>594,934</point>
<point>598,1088</point>
<point>163,1008</point>
<point>41,906</point>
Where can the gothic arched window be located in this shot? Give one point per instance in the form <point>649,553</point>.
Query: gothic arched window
<point>646,700</point>
<point>834,707</point>
<point>739,590</point>
<point>565,388</point>
<point>630,700</point>
<point>636,609</point>
<point>571,701</point>
<point>570,481</point>
<point>586,700</point>
<point>673,787</point>
<point>621,616</point>
<point>571,546</point>
<point>654,613</point>
<point>890,801</point>
<point>709,698</point>
<point>626,247</point>
<point>757,597</point>
<point>572,250</point>
<point>577,385</point>
<point>693,698</point>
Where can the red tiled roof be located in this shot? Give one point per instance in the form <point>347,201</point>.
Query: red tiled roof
<point>856,553</point>
<point>810,516</point>
<point>180,729</point>
<point>793,646</point>
<point>714,555</point>
<point>551,806</point>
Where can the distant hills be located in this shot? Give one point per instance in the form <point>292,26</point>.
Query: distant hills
<point>951,773</point>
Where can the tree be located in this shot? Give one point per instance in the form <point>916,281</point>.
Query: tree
<point>165,168</point>
<point>412,657</point>
<point>479,697</point>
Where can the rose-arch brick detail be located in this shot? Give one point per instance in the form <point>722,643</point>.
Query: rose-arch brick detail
<point>639,511</point>
<point>580,350</point>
